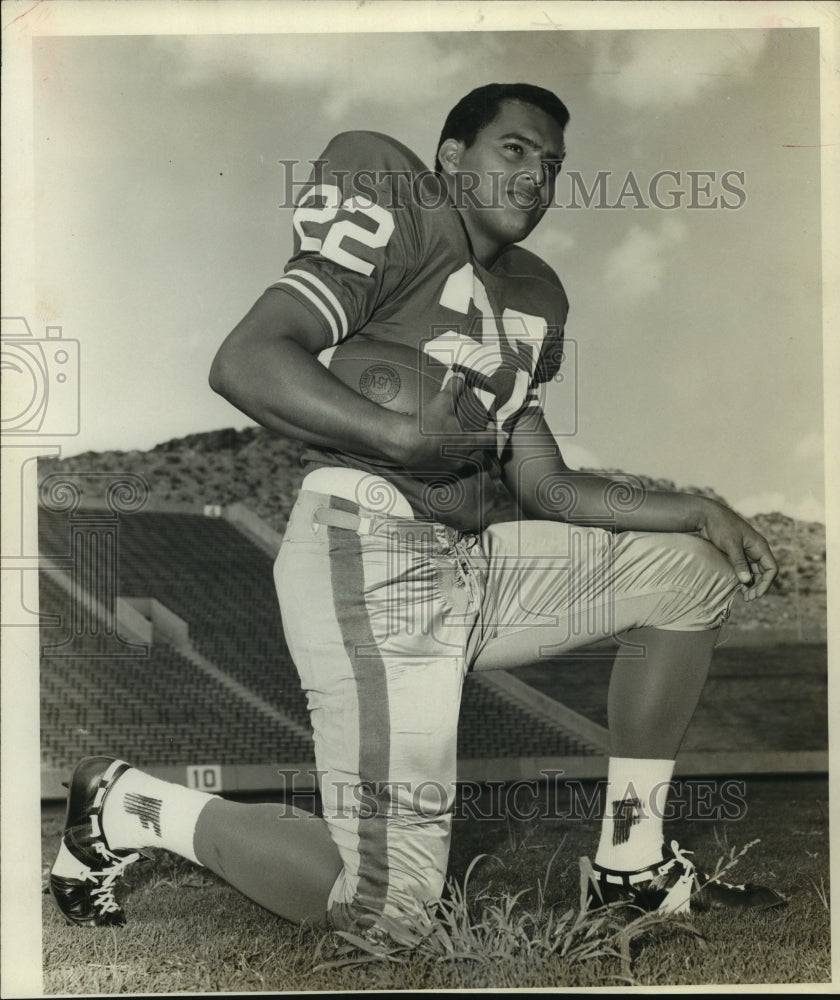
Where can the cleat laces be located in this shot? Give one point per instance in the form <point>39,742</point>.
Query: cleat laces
<point>102,896</point>
<point>678,897</point>
<point>672,886</point>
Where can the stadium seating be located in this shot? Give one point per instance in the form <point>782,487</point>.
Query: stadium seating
<point>155,706</point>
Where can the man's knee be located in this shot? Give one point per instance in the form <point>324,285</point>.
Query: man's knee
<point>696,580</point>
<point>711,568</point>
<point>403,904</point>
<point>709,574</point>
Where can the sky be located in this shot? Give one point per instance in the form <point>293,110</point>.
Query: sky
<point>695,331</point>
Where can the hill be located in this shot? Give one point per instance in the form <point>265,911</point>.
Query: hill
<point>263,471</point>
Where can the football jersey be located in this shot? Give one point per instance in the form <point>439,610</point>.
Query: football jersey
<point>381,251</point>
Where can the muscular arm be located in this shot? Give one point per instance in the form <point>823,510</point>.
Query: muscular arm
<point>547,489</point>
<point>267,367</point>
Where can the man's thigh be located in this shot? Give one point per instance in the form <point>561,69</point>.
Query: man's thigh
<point>382,667</point>
<point>554,587</point>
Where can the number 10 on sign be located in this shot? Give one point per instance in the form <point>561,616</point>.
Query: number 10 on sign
<point>204,777</point>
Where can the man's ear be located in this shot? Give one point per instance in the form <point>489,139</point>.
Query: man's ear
<point>449,155</point>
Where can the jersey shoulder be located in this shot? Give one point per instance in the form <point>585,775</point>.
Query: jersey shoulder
<point>517,262</point>
<point>382,169</point>
<point>361,234</point>
<point>364,150</point>
<point>544,288</point>
<point>520,264</point>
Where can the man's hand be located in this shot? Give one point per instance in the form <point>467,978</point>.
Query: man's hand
<point>745,548</point>
<point>447,434</point>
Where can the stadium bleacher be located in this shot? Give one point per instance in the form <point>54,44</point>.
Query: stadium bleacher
<point>157,707</point>
<point>153,709</point>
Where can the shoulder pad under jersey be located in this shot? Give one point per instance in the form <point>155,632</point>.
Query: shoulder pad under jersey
<point>516,261</point>
<point>359,230</point>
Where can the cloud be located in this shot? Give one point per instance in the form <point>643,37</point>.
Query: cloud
<point>551,242</point>
<point>808,508</point>
<point>283,59</point>
<point>636,267</point>
<point>809,448</point>
<point>343,69</point>
<point>672,68</point>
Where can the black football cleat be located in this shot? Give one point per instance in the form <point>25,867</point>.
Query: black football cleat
<point>672,885</point>
<point>85,871</point>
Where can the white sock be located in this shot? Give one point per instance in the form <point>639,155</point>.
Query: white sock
<point>631,831</point>
<point>142,811</point>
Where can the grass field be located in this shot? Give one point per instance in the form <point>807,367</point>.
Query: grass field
<point>188,931</point>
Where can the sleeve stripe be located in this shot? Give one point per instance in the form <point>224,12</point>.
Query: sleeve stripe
<point>328,295</point>
<point>303,290</point>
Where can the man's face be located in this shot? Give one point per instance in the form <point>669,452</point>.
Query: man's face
<point>503,183</point>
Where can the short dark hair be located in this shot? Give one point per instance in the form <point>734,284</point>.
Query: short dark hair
<point>482,106</point>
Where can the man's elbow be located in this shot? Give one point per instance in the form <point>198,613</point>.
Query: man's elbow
<point>222,376</point>
<point>216,378</point>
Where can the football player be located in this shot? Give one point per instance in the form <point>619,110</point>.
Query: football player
<point>391,582</point>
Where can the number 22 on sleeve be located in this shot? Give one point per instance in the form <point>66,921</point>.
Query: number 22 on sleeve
<point>329,245</point>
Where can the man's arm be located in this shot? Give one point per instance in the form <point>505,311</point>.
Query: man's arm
<point>268,368</point>
<point>547,489</point>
